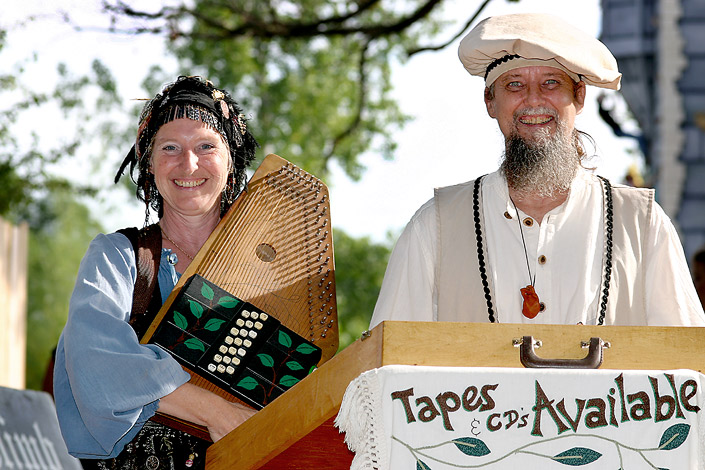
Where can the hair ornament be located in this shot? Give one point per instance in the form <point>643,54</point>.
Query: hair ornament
<point>224,109</point>
<point>241,123</point>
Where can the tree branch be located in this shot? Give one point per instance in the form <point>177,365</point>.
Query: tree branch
<point>254,26</point>
<point>411,52</point>
<point>361,104</point>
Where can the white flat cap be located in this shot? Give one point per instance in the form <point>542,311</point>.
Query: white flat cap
<point>501,43</point>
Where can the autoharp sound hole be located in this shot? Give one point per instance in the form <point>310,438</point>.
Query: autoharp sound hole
<point>266,252</point>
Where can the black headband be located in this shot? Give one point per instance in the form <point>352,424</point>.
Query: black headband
<point>197,99</point>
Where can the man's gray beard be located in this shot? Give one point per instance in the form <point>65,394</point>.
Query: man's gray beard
<point>543,167</point>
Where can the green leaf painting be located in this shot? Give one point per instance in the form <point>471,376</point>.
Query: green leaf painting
<point>228,302</point>
<point>180,320</point>
<point>288,381</point>
<point>248,383</point>
<point>284,339</point>
<point>207,291</point>
<point>293,365</point>
<point>421,465</point>
<point>305,348</point>
<point>471,446</point>
<point>266,360</point>
<point>193,343</point>
<point>196,308</point>
<point>214,324</point>
<point>577,456</point>
<point>674,436</point>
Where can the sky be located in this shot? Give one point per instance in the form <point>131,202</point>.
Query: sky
<point>450,139</point>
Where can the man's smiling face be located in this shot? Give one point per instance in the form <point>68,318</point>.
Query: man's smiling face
<point>529,99</point>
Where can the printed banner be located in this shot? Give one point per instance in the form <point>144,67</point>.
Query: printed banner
<point>440,418</point>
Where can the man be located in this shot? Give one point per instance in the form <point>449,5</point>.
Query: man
<point>543,239</point>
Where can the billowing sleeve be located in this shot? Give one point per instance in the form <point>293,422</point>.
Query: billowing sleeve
<point>106,384</point>
<point>670,293</point>
<point>408,287</point>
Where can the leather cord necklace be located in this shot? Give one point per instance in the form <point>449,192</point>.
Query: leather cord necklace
<point>608,226</point>
<point>531,306</point>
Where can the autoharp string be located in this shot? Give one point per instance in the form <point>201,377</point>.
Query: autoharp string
<point>282,200</point>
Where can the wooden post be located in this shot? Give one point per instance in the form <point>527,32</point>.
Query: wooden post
<point>13,303</point>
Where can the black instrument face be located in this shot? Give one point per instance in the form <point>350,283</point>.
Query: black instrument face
<point>233,344</point>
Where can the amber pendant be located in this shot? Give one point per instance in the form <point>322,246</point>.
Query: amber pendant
<point>531,306</point>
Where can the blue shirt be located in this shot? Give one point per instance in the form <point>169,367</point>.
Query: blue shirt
<point>107,384</point>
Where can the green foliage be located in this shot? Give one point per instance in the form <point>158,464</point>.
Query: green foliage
<point>359,269</point>
<point>55,251</point>
<point>29,158</point>
<point>314,75</point>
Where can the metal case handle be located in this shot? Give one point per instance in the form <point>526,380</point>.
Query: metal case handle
<point>529,359</point>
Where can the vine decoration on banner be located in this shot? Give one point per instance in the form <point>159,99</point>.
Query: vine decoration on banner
<point>671,439</point>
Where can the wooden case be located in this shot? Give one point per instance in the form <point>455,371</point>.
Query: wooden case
<point>296,431</point>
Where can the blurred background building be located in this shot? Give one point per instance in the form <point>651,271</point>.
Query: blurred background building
<point>660,47</point>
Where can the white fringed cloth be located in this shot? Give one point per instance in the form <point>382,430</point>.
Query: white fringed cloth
<point>434,418</point>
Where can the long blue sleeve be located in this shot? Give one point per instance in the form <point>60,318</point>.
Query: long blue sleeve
<point>106,384</point>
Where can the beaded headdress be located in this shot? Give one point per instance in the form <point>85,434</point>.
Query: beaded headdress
<point>197,99</point>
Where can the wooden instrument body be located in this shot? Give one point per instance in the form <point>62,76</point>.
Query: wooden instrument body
<point>273,249</point>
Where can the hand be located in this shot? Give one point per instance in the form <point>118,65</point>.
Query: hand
<point>199,406</point>
<point>231,416</point>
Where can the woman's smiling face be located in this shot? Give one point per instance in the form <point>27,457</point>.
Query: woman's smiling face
<point>190,163</point>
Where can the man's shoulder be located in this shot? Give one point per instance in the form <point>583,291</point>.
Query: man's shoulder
<point>633,196</point>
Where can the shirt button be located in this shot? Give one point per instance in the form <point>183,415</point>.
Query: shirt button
<point>507,215</point>
<point>528,221</point>
<point>542,259</point>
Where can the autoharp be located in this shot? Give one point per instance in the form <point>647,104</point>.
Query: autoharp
<point>271,259</point>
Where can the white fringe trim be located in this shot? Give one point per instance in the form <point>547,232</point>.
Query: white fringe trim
<point>362,420</point>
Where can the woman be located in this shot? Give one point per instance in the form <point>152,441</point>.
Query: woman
<point>189,163</point>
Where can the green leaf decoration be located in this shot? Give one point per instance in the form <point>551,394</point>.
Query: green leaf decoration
<point>180,320</point>
<point>288,381</point>
<point>313,367</point>
<point>214,324</point>
<point>196,308</point>
<point>421,465</point>
<point>471,446</point>
<point>577,456</point>
<point>207,291</point>
<point>305,348</point>
<point>293,365</point>
<point>674,436</point>
<point>228,302</point>
<point>248,383</point>
<point>193,343</point>
<point>284,339</point>
<point>266,360</point>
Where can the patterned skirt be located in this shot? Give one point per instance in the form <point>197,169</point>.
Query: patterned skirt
<point>156,447</point>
